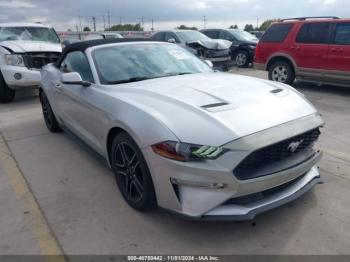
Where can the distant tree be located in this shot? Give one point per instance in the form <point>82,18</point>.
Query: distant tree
<point>249,28</point>
<point>125,27</point>
<point>184,27</point>
<point>234,27</point>
<point>87,29</point>
<point>266,24</point>
<point>69,30</point>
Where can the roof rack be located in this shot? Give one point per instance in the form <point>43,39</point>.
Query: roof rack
<point>310,17</point>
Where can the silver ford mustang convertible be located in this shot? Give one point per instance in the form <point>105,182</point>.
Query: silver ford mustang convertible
<point>178,135</point>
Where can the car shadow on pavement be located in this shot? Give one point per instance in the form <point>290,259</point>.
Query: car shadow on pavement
<point>326,89</point>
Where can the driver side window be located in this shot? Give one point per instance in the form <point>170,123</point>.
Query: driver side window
<point>77,62</point>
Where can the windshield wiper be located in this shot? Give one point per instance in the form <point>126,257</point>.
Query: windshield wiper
<point>178,74</point>
<point>137,79</point>
<point>129,80</point>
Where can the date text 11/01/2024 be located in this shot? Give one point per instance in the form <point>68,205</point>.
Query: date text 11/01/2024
<point>173,258</point>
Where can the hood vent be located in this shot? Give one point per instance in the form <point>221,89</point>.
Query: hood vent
<point>218,107</point>
<point>280,92</point>
<point>276,91</point>
<point>215,105</point>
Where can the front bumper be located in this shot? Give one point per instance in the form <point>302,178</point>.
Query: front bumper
<point>249,211</point>
<point>221,63</point>
<point>201,190</point>
<point>28,77</point>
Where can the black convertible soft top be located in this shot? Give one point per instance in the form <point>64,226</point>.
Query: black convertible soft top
<point>82,46</point>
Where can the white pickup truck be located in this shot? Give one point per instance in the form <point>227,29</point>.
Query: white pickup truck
<point>24,49</point>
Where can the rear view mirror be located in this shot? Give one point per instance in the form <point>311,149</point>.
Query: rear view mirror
<point>172,40</point>
<point>74,78</point>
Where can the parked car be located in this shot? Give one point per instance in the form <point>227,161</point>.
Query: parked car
<point>95,36</point>
<point>243,44</point>
<point>176,134</point>
<point>309,49</point>
<point>216,51</point>
<point>258,34</point>
<point>69,40</point>
<point>24,49</point>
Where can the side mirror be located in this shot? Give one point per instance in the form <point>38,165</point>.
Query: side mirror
<point>172,40</point>
<point>74,78</point>
<point>209,63</point>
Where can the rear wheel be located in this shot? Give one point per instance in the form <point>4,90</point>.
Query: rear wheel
<point>132,174</point>
<point>49,116</point>
<point>282,71</point>
<point>6,94</point>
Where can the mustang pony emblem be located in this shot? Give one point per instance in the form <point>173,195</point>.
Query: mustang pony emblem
<point>294,146</point>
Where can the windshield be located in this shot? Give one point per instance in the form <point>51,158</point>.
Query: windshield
<point>137,62</point>
<point>191,36</point>
<point>41,34</point>
<point>241,35</point>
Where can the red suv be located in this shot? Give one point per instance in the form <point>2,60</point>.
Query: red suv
<point>309,49</point>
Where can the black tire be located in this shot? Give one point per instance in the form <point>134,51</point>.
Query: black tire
<point>6,94</point>
<point>49,116</point>
<point>241,59</point>
<point>282,71</point>
<point>132,174</point>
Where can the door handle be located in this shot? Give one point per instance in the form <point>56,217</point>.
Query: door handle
<point>58,85</point>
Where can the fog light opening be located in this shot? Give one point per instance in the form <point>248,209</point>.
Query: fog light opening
<point>17,76</point>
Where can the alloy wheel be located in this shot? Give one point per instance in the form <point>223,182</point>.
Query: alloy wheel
<point>48,116</point>
<point>280,74</point>
<point>241,59</point>
<point>129,172</point>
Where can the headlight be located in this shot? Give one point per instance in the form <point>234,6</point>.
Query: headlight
<point>14,60</point>
<point>187,152</point>
<point>252,46</point>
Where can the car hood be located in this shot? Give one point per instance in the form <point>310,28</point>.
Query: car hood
<point>31,46</point>
<point>216,108</point>
<point>216,44</point>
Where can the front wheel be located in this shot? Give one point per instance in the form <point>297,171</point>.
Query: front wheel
<point>242,59</point>
<point>282,72</point>
<point>6,94</point>
<point>49,116</point>
<point>132,174</point>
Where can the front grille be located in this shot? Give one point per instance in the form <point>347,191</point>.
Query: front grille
<point>273,154</point>
<point>216,53</point>
<point>39,59</point>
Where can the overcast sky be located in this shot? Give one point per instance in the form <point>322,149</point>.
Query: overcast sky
<point>64,14</point>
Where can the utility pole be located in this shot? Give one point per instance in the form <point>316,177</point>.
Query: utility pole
<point>109,19</point>
<point>94,22</point>
<point>142,22</point>
<point>120,20</point>
<point>205,22</point>
<point>104,23</point>
<point>152,28</point>
<point>81,27</point>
